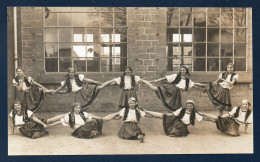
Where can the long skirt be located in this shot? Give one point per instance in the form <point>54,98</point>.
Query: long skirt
<point>31,127</point>
<point>89,130</point>
<point>170,95</point>
<point>174,127</point>
<point>219,96</point>
<point>228,125</point>
<point>125,95</point>
<point>32,99</point>
<point>130,130</point>
<point>86,95</point>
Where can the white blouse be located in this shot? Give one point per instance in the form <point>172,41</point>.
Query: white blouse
<point>78,120</point>
<point>127,81</point>
<point>19,118</point>
<point>24,88</point>
<point>186,118</point>
<point>225,84</point>
<point>131,117</point>
<point>74,86</point>
<point>181,84</point>
<point>242,116</point>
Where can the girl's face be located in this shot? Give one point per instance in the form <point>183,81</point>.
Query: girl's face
<point>183,71</point>
<point>17,107</point>
<point>131,104</point>
<point>71,73</point>
<point>245,105</point>
<point>128,72</point>
<point>230,68</point>
<point>189,107</point>
<point>77,109</point>
<point>19,72</point>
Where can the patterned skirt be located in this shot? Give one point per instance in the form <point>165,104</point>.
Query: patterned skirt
<point>228,125</point>
<point>86,95</point>
<point>130,130</point>
<point>89,130</point>
<point>125,95</point>
<point>219,96</point>
<point>170,95</point>
<point>32,99</point>
<point>174,127</point>
<point>30,128</point>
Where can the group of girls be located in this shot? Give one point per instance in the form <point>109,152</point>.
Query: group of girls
<point>85,125</point>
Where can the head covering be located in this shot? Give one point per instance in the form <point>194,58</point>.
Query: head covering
<point>245,100</point>
<point>132,99</point>
<point>190,101</point>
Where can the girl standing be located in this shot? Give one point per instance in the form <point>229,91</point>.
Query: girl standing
<point>30,93</point>
<point>176,124</point>
<point>219,91</point>
<point>85,93</point>
<point>29,125</point>
<point>170,93</point>
<point>229,123</point>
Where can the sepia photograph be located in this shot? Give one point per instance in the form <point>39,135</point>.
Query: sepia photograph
<point>129,80</point>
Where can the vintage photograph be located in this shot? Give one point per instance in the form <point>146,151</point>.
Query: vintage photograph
<point>129,80</point>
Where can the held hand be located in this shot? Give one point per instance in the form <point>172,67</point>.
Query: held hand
<point>45,126</point>
<point>153,81</point>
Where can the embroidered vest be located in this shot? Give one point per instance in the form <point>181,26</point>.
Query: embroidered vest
<point>77,80</point>
<point>122,81</point>
<point>236,115</point>
<point>224,76</point>
<point>178,79</point>
<point>137,114</point>
<point>72,119</point>
<point>25,80</point>
<point>192,116</point>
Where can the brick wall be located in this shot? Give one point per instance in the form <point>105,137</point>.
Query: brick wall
<point>147,56</point>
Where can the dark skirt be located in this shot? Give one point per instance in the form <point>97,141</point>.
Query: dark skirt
<point>174,127</point>
<point>228,125</point>
<point>86,95</point>
<point>130,130</point>
<point>219,96</point>
<point>170,95</point>
<point>32,99</point>
<point>125,95</point>
<point>89,130</point>
<point>31,127</point>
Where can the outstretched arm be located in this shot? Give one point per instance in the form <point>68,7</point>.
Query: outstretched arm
<point>246,128</point>
<point>57,90</point>
<point>92,81</point>
<point>39,121</point>
<point>106,84</point>
<point>111,116</point>
<point>154,114</point>
<point>38,85</point>
<point>154,88</point>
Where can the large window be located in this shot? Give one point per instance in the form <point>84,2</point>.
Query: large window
<point>88,39</point>
<point>206,39</point>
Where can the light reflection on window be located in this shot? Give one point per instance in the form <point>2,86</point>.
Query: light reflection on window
<point>187,37</point>
<point>79,51</point>
<point>176,37</point>
<point>77,37</point>
<point>104,37</point>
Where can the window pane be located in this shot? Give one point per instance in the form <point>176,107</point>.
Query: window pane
<point>122,35</point>
<point>213,35</point>
<point>224,62</point>
<point>51,19</point>
<point>200,34</point>
<point>78,34</point>
<point>64,19</point>
<point>79,65</point>
<point>227,35</point>
<point>213,19</point>
<point>187,61</point>
<point>106,34</point>
<point>213,64</point>
<point>226,50</point>
<point>240,35</point>
<point>65,50</point>
<point>65,34</point>
<point>199,64</point>
<point>240,64</point>
<point>51,64</point>
<point>79,51</point>
<point>240,19</point>
<point>199,19</point>
<point>186,49</point>
<point>226,9</point>
<point>227,19</point>
<point>212,9</point>
<point>174,63</point>
<point>186,35</point>
<point>65,63</point>
<point>199,50</point>
<point>95,33</point>
<point>79,19</point>
<point>213,50</point>
<point>240,49</point>
<point>51,35</point>
<point>51,50</point>
<point>106,19</point>
<point>93,65</point>
<point>120,18</point>
<point>185,19</point>
<point>171,32</point>
<point>172,19</point>
<point>176,49</point>
<point>173,9</point>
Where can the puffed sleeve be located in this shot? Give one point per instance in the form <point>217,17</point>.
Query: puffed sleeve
<point>29,112</point>
<point>122,112</point>
<point>118,80</point>
<point>171,78</point>
<point>142,113</point>
<point>177,112</point>
<point>81,77</point>
<point>233,111</point>
<point>30,79</point>
<point>249,119</point>
<point>62,83</point>
<point>88,116</point>
<point>65,120</point>
<point>220,75</point>
<point>137,79</point>
<point>14,82</point>
<point>191,84</point>
<point>236,77</point>
<point>11,114</point>
<point>198,117</point>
